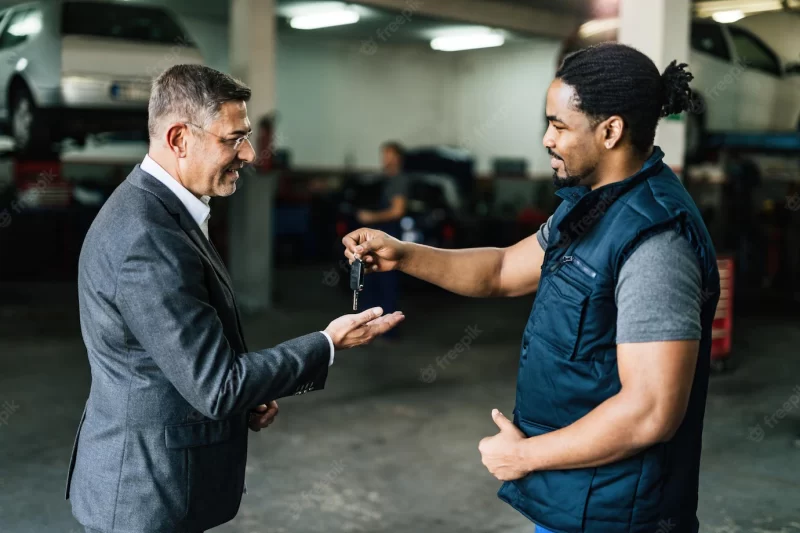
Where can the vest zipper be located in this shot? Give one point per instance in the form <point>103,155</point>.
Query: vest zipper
<point>583,267</point>
<point>564,260</point>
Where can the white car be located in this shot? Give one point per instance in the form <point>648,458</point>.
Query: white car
<point>69,68</point>
<point>741,83</point>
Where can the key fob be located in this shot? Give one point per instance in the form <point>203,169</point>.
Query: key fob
<point>356,280</point>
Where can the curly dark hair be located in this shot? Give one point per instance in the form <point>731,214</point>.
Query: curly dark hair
<point>616,79</point>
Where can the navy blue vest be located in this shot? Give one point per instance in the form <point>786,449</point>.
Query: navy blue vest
<point>568,360</point>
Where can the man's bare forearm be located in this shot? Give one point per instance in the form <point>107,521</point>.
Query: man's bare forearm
<point>616,429</point>
<point>473,272</point>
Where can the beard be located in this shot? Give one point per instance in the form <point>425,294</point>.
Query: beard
<point>570,180</point>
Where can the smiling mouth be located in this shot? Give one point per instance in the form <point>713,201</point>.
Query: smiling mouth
<point>233,172</point>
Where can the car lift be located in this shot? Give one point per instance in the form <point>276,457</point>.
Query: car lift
<point>40,219</point>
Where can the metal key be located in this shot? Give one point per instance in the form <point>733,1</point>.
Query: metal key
<point>356,280</point>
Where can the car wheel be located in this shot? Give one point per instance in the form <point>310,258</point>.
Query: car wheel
<point>29,128</point>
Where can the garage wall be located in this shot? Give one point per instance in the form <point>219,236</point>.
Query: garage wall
<point>336,103</point>
<point>500,102</point>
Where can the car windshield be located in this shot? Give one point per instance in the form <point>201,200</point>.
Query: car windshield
<point>121,21</point>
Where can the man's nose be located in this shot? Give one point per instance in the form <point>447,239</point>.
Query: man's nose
<point>247,153</point>
<point>548,140</point>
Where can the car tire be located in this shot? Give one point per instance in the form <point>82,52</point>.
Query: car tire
<point>29,125</point>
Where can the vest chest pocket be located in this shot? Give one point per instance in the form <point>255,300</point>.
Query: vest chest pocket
<point>560,316</point>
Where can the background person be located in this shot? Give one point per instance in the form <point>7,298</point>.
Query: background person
<point>383,290</point>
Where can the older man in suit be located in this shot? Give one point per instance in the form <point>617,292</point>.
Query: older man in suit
<point>162,443</point>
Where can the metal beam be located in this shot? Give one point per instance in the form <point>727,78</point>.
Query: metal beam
<point>495,14</point>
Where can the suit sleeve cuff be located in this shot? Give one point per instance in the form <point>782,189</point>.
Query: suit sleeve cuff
<point>330,343</point>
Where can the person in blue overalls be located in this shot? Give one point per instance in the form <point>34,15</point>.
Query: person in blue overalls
<point>614,359</point>
<point>383,290</point>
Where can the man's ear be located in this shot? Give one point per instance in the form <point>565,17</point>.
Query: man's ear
<point>611,131</point>
<point>177,139</point>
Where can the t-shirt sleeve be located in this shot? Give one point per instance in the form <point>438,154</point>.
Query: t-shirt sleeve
<point>543,235</point>
<point>659,291</point>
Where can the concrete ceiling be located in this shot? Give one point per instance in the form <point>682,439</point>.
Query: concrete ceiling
<point>554,18</point>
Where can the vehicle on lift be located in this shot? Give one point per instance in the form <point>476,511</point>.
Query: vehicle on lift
<point>69,68</point>
<point>741,84</point>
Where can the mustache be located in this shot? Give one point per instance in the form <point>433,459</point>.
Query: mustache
<point>553,154</point>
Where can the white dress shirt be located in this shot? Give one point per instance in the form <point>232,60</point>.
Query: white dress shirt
<point>198,208</point>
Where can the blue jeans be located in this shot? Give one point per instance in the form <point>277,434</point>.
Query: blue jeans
<point>540,529</point>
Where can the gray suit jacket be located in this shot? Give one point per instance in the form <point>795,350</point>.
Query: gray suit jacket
<point>162,443</point>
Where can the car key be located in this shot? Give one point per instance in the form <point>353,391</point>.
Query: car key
<point>356,280</point>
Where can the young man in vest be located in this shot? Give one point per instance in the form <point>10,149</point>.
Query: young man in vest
<point>614,360</point>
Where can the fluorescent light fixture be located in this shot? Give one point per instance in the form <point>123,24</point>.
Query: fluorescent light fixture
<point>454,43</point>
<point>727,8</point>
<point>594,27</point>
<point>325,19</point>
<point>726,17</point>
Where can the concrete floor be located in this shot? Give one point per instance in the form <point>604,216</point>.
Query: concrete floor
<point>388,446</point>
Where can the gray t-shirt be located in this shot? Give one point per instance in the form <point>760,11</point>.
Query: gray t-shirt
<point>395,186</point>
<point>658,291</point>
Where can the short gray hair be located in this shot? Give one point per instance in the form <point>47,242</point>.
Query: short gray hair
<point>193,93</point>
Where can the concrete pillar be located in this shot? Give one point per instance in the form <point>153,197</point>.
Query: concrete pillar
<point>252,39</point>
<point>660,29</point>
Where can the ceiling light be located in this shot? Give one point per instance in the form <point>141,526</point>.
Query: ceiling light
<point>746,7</point>
<point>595,27</point>
<point>326,19</point>
<point>726,17</point>
<point>455,43</point>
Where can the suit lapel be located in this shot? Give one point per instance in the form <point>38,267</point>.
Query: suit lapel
<point>230,284</point>
<point>141,179</point>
